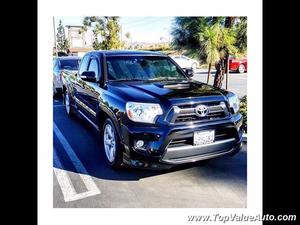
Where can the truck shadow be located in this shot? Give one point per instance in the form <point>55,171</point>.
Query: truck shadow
<point>223,168</point>
<point>92,156</point>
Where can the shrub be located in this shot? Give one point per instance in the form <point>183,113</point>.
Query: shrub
<point>243,110</point>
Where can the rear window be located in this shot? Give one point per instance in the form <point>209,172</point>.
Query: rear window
<point>69,64</point>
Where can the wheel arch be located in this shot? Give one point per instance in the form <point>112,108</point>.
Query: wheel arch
<point>104,113</point>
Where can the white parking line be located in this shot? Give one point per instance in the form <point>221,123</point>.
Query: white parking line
<point>65,182</point>
<point>63,179</point>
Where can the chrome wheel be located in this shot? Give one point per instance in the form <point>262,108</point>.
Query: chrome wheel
<point>67,103</point>
<point>109,142</point>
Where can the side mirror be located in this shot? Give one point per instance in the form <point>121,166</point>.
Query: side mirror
<point>189,72</point>
<point>88,76</point>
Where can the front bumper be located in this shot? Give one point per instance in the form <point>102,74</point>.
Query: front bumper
<point>188,154</point>
<point>162,152</point>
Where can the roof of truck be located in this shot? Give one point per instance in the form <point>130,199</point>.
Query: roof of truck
<point>67,57</point>
<point>127,52</point>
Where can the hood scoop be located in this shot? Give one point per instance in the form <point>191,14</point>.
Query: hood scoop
<point>176,86</point>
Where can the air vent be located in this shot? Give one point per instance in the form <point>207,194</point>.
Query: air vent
<point>177,86</point>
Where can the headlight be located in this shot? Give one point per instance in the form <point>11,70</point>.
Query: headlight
<point>143,112</point>
<point>234,103</point>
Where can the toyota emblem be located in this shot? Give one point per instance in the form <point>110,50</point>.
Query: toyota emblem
<point>201,110</point>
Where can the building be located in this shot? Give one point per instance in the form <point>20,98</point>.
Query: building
<point>80,41</point>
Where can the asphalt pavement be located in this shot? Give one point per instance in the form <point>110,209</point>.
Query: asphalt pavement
<point>237,82</point>
<point>82,179</point>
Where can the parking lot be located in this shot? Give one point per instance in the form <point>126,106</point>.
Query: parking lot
<point>237,82</point>
<point>82,179</point>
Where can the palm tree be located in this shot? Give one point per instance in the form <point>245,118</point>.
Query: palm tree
<point>218,42</point>
<point>241,35</point>
<point>209,39</point>
<point>227,47</point>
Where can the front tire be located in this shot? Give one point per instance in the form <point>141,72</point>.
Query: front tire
<point>112,146</point>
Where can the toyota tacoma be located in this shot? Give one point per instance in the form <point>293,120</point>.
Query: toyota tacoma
<point>150,112</point>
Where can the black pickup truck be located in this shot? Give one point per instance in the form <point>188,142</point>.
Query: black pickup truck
<point>149,111</point>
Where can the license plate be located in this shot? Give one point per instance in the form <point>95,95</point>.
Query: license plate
<point>204,137</point>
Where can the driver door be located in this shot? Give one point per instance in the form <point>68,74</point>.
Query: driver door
<point>89,92</point>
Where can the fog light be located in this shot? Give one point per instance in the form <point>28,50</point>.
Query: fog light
<point>223,105</point>
<point>139,144</point>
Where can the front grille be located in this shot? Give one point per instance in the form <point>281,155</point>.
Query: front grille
<point>222,133</point>
<point>187,113</point>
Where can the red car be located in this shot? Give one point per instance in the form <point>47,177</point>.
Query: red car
<point>238,65</point>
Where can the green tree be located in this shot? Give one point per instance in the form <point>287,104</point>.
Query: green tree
<point>106,32</point>
<point>62,41</point>
<point>226,48</point>
<point>241,34</point>
<point>185,32</point>
<point>210,40</point>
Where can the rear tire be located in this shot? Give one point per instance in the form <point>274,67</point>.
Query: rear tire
<point>68,106</point>
<point>111,145</point>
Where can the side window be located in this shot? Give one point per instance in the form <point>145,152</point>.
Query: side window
<point>93,66</point>
<point>84,64</point>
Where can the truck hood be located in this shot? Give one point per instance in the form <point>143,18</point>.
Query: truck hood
<point>166,91</point>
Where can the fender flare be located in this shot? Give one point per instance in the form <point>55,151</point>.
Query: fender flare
<point>111,115</point>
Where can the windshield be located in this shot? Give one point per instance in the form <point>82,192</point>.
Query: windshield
<point>70,64</point>
<point>142,68</point>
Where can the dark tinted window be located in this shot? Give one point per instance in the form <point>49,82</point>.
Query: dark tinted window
<point>69,64</point>
<point>62,54</point>
<point>84,64</point>
<point>142,68</point>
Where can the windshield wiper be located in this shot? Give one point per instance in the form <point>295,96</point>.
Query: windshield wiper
<point>166,78</point>
<point>127,80</point>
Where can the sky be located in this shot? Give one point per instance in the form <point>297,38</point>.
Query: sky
<point>142,29</point>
